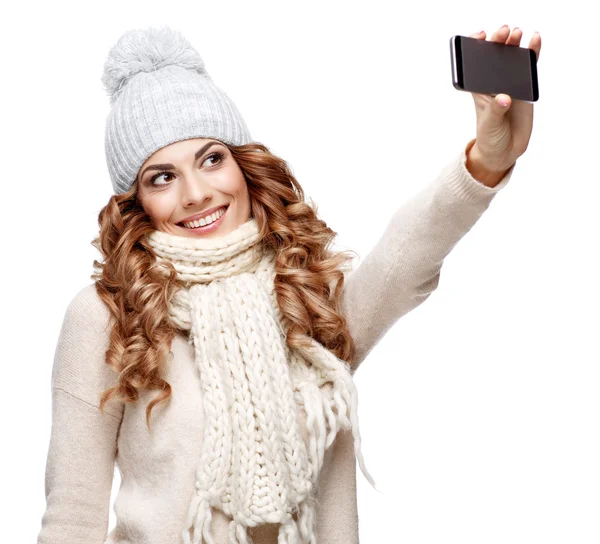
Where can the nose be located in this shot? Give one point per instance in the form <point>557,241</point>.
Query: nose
<point>194,190</point>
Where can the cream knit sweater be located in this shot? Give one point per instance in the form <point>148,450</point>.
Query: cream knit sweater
<point>158,468</point>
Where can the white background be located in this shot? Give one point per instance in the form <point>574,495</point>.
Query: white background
<point>480,409</point>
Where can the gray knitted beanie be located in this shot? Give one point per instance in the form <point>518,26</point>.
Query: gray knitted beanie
<point>160,93</point>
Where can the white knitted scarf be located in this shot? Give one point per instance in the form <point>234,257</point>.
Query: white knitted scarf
<point>254,463</point>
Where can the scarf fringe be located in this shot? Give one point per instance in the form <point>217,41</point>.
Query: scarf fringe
<point>238,533</point>
<point>199,517</point>
<point>307,521</point>
<point>288,533</point>
<point>341,410</point>
<point>300,531</point>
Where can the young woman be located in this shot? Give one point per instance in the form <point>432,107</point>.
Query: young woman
<point>212,357</point>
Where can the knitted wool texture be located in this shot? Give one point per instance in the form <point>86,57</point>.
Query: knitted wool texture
<point>160,92</point>
<point>254,463</point>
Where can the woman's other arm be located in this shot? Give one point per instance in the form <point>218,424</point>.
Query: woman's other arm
<point>83,440</point>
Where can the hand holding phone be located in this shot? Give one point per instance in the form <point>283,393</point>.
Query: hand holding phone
<point>504,125</point>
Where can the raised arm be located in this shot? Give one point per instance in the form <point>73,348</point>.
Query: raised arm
<point>403,268</point>
<point>82,449</point>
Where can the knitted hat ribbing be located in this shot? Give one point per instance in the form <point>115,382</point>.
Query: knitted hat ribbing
<point>160,93</point>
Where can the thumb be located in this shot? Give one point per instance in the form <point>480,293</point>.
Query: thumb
<point>500,105</point>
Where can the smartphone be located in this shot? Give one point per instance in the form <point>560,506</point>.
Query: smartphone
<point>482,66</point>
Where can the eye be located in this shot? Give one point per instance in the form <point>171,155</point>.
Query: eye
<point>156,176</point>
<point>217,155</point>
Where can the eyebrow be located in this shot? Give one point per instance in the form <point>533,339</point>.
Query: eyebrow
<point>169,166</point>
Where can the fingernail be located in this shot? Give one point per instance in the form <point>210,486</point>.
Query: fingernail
<point>503,102</point>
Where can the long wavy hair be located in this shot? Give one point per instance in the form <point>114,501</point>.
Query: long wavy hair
<point>308,282</point>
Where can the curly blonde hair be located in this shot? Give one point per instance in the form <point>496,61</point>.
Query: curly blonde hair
<point>308,282</point>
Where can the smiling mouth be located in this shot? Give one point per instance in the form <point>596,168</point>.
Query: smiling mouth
<point>225,208</point>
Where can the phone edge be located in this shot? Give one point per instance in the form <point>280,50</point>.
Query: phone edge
<point>456,61</point>
<point>534,75</point>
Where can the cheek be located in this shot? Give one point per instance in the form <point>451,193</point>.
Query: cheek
<point>241,189</point>
<point>159,206</point>
<point>233,184</point>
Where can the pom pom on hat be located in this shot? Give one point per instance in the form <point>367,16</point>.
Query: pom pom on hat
<point>147,50</point>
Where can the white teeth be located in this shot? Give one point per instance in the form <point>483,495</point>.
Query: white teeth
<point>205,220</point>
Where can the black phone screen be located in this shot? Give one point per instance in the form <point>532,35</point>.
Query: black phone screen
<point>483,66</point>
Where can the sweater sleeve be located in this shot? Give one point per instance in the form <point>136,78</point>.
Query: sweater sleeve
<point>403,268</point>
<point>82,449</point>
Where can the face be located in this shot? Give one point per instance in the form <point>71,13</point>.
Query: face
<point>189,178</point>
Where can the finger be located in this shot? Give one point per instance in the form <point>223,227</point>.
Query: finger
<point>536,44</point>
<point>478,35</point>
<point>501,35</point>
<point>500,104</point>
<point>514,38</point>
